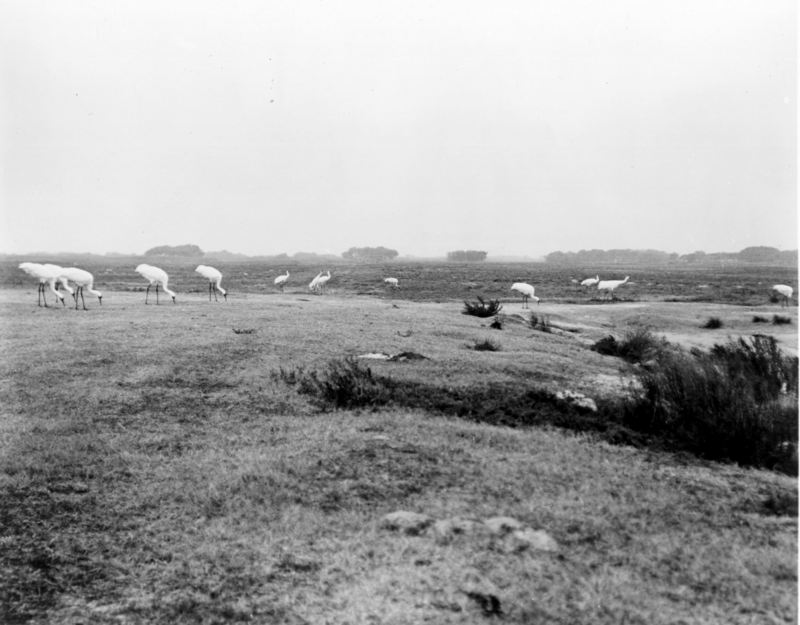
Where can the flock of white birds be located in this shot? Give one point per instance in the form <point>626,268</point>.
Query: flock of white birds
<point>52,275</point>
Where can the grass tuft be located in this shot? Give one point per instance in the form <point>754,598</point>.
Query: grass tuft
<point>482,308</point>
<point>541,322</point>
<point>759,319</point>
<point>639,345</point>
<point>713,323</point>
<point>780,320</point>
<point>486,346</point>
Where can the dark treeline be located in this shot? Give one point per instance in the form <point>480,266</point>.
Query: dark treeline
<point>760,254</point>
<point>370,254</point>
<point>466,255</point>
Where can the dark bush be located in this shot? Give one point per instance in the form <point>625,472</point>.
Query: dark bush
<point>713,323</point>
<point>758,319</point>
<point>737,402</point>
<point>496,324</point>
<point>482,308</point>
<point>779,320</point>
<point>639,345</point>
<point>607,346</point>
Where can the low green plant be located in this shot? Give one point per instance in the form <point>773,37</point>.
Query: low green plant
<point>482,308</point>
<point>759,319</point>
<point>638,345</point>
<point>713,323</point>
<point>780,320</point>
<point>486,346</point>
<point>540,322</point>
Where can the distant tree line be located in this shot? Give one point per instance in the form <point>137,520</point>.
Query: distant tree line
<point>370,254</point>
<point>758,254</point>
<point>174,250</point>
<point>466,255</point>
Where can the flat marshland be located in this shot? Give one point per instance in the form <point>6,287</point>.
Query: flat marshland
<point>164,464</point>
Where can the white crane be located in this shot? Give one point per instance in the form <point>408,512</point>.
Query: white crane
<point>83,280</point>
<point>156,276</point>
<point>312,286</point>
<point>322,281</point>
<point>280,281</point>
<point>590,281</point>
<point>46,274</point>
<point>391,282</point>
<point>611,285</point>
<point>214,277</point>
<point>527,292</point>
<point>785,292</point>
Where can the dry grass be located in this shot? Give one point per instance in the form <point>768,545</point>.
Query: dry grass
<point>152,471</point>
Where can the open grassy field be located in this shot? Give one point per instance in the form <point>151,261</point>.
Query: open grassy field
<point>155,468</point>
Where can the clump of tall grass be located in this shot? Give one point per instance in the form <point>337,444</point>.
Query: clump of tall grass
<point>638,345</point>
<point>713,323</point>
<point>482,308</point>
<point>759,319</point>
<point>486,346</point>
<point>540,322</point>
<point>780,320</point>
<point>737,402</point>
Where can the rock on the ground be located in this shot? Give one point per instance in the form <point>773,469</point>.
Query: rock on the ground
<point>502,524</point>
<point>406,522</point>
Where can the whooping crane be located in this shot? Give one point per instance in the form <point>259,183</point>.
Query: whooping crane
<point>323,280</point>
<point>82,279</point>
<point>155,276</point>
<point>590,281</point>
<point>312,286</point>
<point>785,292</point>
<point>280,281</point>
<point>46,274</point>
<point>214,277</point>
<point>527,292</point>
<point>391,282</point>
<point>611,285</point>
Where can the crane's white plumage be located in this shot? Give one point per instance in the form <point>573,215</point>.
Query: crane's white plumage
<point>785,292</point>
<point>391,282</point>
<point>590,281</point>
<point>214,277</point>
<point>82,280</point>
<point>312,286</point>
<point>47,275</point>
<point>323,280</point>
<point>280,281</point>
<point>527,291</point>
<point>611,285</point>
<point>156,276</point>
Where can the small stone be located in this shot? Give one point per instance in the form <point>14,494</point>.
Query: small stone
<point>407,522</point>
<point>502,524</point>
<point>533,539</point>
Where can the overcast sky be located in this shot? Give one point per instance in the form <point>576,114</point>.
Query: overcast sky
<point>519,127</point>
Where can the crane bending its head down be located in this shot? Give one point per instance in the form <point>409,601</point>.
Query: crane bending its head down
<point>611,285</point>
<point>83,280</point>
<point>46,274</point>
<point>590,281</point>
<point>214,277</point>
<point>280,281</point>
<point>156,276</point>
<point>391,282</point>
<point>527,292</point>
<point>785,293</point>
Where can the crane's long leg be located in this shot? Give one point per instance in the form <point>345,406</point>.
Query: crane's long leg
<point>156,293</point>
<point>147,294</point>
<point>82,300</point>
<point>41,295</point>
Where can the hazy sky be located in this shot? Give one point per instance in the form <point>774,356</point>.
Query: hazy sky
<point>516,127</point>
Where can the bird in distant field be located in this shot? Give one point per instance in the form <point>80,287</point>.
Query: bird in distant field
<point>590,281</point>
<point>784,292</point>
<point>611,285</point>
<point>83,280</point>
<point>214,277</point>
<point>281,281</point>
<point>322,281</point>
<point>391,282</point>
<point>47,275</point>
<point>527,292</point>
<point>156,276</point>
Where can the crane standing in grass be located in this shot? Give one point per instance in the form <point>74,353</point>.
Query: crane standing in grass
<point>281,281</point>
<point>527,291</point>
<point>785,293</point>
<point>214,277</point>
<point>156,276</point>
<point>590,281</point>
<point>322,280</point>
<point>611,285</point>
<point>83,280</point>
<point>392,282</point>
<point>46,274</point>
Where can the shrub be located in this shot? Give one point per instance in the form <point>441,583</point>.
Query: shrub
<point>737,402</point>
<point>540,322</point>
<point>758,319</point>
<point>779,320</point>
<point>639,345</point>
<point>713,323</point>
<point>486,346</point>
<point>496,324</point>
<point>482,308</point>
<point>342,384</point>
